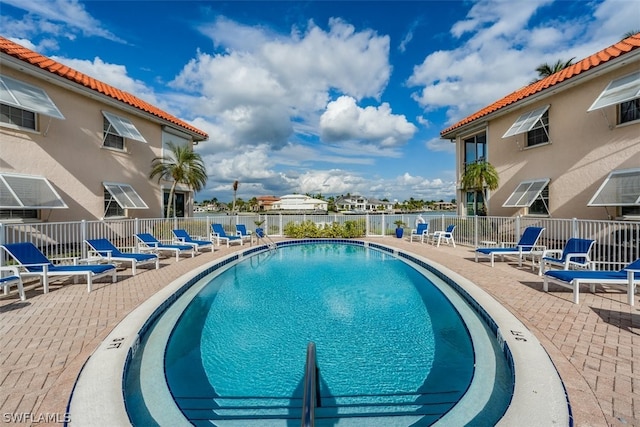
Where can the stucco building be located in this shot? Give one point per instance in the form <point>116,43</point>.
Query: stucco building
<point>566,146</point>
<point>73,147</point>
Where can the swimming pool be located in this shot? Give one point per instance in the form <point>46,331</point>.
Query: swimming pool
<point>474,405</point>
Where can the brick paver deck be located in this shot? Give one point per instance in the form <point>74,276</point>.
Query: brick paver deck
<point>595,345</point>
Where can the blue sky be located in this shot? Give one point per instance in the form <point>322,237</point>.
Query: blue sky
<point>325,97</point>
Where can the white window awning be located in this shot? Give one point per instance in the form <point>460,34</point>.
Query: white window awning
<point>27,97</point>
<point>28,192</point>
<point>620,188</point>
<point>526,193</point>
<point>526,122</point>
<point>123,127</point>
<point>125,195</point>
<point>619,90</point>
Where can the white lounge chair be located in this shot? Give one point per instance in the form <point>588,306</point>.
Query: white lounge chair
<point>628,277</point>
<point>34,263</point>
<point>184,238</point>
<point>447,235</point>
<point>218,233</point>
<point>526,246</point>
<point>154,245</point>
<point>420,232</point>
<point>242,232</point>
<point>575,254</point>
<point>107,250</point>
<point>11,278</point>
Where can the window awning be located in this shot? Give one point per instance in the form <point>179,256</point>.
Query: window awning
<point>526,193</point>
<point>617,91</point>
<point>27,97</point>
<point>621,188</point>
<point>125,195</point>
<point>526,122</point>
<point>123,127</point>
<point>28,192</point>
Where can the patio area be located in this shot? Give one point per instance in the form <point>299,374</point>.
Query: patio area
<point>595,345</point>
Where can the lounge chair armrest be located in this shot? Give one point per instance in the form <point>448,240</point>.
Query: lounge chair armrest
<point>508,244</point>
<point>94,253</point>
<point>571,257</point>
<point>550,252</point>
<point>63,260</point>
<point>12,268</point>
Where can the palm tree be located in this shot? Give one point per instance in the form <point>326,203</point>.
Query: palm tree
<point>235,191</point>
<point>182,166</point>
<point>545,70</point>
<point>630,33</point>
<point>480,176</point>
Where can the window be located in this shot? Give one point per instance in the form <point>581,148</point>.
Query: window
<point>111,139</point>
<point>17,117</point>
<point>535,124</point>
<point>116,129</point>
<point>24,96</point>
<point>178,204</point>
<point>629,111</point>
<point>475,148</point>
<point>475,203</point>
<point>118,197</point>
<point>22,195</point>
<point>533,194</point>
<point>539,133</point>
<point>620,188</point>
<point>619,91</point>
<point>111,206</point>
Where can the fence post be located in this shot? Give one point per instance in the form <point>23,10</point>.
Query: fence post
<point>574,226</point>
<point>136,230</point>
<point>384,225</point>
<point>476,231</point>
<point>2,241</point>
<point>83,237</point>
<point>518,233</point>
<point>366,225</point>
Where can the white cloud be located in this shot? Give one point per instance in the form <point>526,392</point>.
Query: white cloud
<point>113,74</point>
<point>344,120</point>
<point>504,47</point>
<point>61,18</point>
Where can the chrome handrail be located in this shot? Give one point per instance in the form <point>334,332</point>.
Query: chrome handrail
<point>311,397</point>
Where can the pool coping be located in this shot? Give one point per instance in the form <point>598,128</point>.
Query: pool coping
<point>538,399</point>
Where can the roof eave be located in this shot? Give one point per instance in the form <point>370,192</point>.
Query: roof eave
<point>14,63</point>
<point>583,77</point>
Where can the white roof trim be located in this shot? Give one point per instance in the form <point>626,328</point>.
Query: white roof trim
<point>28,192</point>
<point>618,91</point>
<point>526,193</point>
<point>27,97</point>
<point>125,195</point>
<point>526,122</point>
<point>620,188</point>
<point>124,127</point>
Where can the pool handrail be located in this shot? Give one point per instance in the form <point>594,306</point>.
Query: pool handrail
<point>311,397</point>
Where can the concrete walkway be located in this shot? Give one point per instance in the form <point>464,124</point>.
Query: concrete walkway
<point>595,345</point>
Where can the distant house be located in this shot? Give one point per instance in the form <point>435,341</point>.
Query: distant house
<point>565,146</point>
<point>299,203</point>
<point>265,203</point>
<point>357,203</point>
<point>76,148</point>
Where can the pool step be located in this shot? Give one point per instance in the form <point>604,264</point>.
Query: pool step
<point>249,410</point>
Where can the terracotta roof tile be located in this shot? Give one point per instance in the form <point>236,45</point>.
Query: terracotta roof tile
<point>47,64</point>
<point>616,50</point>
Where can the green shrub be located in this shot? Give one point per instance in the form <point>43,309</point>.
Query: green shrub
<point>308,229</point>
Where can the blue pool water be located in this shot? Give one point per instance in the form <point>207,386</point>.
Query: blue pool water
<point>390,345</point>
